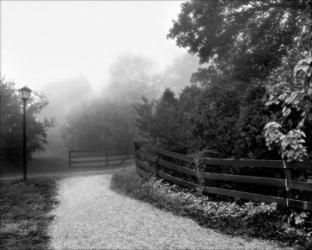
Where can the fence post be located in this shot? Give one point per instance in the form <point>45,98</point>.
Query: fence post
<point>287,177</point>
<point>106,159</point>
<point>199,173</point>
<point>136,152</point>
<point>69,159</point>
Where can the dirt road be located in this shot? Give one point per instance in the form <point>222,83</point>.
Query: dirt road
<point>91,215</point>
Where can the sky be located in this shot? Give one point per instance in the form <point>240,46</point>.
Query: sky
<point>47,41</point>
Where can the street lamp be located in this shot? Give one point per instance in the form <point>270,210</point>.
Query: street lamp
<point>25,94</point>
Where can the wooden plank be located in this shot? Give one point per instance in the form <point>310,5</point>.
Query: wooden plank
<point>99,162</point>
<point>69,158</point>
<point>300,164</point>
<point>119,162</point>
<point>77,160</point>
<point>100,158</point>
<point>181,157</point>
<point>176,180</point>
<point>245,179</point>
<point>300,185</point>
<point>304,205</point>
<point>87,154</point>
<point>230,162</point>
<point>87,151</point>
<point>176,167</point>
<point>243,163</point>
<point>244,195</point>
<point>119,157</point>
<point>83,165</point>
<point>80,154</point>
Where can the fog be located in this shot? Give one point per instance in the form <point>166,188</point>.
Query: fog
<point>131,77</point>
<point>85,56</point>
<point>53,40</point>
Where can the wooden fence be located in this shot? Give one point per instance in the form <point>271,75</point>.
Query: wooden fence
<point>96,158</point>
<point>230,177</point>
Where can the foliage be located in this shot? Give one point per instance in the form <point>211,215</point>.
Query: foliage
<point>248,50</point>
<point>144,118</point>
<point>293,94</point>
<point>101,126</point>
<point>108,122</point>
<point>236,218</point>
<point>11,122</point>
<point>291,144</point>
<point>244,39</point>
<point>207,118</point>
<point>250,142</point>
<point>160,121</point>
<point>131,77</point>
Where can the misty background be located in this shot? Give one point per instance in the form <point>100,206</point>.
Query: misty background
<point>92,58</point>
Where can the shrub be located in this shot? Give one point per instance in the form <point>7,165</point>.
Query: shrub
<point>232,217</point>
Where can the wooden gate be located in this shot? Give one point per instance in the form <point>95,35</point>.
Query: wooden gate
<point>86,158</point>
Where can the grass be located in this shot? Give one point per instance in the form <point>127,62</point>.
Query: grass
<point>46,165</point>
<point>235,218</point>
<point>39,164</point>
<point>24,209</point>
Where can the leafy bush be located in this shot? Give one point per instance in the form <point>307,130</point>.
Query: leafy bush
<point>233,217</point>
<point>11,122</point>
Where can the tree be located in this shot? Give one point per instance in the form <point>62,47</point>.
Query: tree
<point>145,119</point>
<point>253,115</point>
<point>131,78</point>
<point>162,122</point>
<point>244,39</point>
<point>242,44</point>
<point>101,126</point>
<point>214,119</point>
<point>107,122</point>
<point>292,93</point>
<point>177,75</point>
<point>11,122</point>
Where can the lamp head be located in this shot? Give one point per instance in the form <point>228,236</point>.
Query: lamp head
<point>25,93</point>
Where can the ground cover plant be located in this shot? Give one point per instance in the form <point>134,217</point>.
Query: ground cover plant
<point>229,216</point>
<point>24,209</point>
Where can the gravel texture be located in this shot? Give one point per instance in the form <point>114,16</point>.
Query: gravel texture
<point>91,215</point>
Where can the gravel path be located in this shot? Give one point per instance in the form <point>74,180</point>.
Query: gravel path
<point>90,215</point>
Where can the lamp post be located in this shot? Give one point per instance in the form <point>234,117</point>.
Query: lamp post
<point>25,94</point>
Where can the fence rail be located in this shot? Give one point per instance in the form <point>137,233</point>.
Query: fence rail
<point>184,170</point>
<point>88,158</point>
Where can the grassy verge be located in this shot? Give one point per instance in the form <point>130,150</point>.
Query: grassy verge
<point>230,217</point>
<point>24,209</point>
<point>39,164</point>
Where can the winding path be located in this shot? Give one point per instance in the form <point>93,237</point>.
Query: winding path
<point>91,215</point>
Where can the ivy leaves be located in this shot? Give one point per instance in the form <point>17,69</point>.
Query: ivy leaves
<point>290,144</point>
<point>292,98</point>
